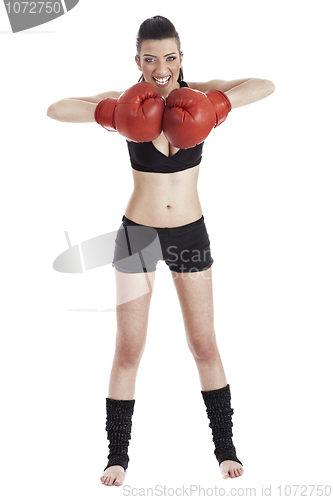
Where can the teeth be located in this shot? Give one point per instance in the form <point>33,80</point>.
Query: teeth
<point>162,80</point>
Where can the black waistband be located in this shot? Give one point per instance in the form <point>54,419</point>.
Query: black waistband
<point>175,230</point>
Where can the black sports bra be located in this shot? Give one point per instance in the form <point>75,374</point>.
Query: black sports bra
<point>145,157</point>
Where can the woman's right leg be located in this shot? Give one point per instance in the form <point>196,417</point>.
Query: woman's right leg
<point>132,325</point>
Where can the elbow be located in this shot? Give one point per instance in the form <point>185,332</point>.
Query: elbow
<point>58,111</point>
<point>269,87</point>
<point>52,112</point>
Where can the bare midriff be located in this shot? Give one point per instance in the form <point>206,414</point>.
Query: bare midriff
<point>164,200</point>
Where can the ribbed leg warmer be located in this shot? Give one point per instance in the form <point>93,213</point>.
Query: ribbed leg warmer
<point>118,426</point>
<point>219,413</point>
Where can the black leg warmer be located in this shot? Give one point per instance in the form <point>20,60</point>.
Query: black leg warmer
<point>118,426</point>
<point>219,413</point>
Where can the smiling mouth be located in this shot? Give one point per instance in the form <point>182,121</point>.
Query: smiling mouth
<point>162,82</point>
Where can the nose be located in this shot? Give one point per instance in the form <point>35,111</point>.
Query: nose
<point>161,68</point>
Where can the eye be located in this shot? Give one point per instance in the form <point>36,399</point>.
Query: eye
<point>171,58</point>
<point>148,59</point>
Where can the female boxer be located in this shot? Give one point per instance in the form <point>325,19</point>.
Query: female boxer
<point>165,121</point>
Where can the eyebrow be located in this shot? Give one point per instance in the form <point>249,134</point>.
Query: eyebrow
<point>171,53</point>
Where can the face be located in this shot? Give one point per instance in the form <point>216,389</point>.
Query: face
<point>160,63</point>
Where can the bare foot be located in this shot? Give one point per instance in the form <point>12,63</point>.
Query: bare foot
<point>232,469</point>
<point>113,475</point>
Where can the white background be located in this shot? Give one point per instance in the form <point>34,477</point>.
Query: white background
<point>265,187</point>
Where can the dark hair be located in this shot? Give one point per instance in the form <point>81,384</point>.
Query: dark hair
<point>157,28</point>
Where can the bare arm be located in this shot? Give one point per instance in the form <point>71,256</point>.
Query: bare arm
<point>239,92</point>
<point>78,109</point>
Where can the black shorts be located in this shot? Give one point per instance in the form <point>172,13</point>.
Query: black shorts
<point>185,249</point>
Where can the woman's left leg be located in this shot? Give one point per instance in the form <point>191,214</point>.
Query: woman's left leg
<point>195,294</point>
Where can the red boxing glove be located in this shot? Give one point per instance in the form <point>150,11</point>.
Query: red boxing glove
<point>188,118</point>
<point>137,114</point>
<point>221,105</point>
<point>190,115</point>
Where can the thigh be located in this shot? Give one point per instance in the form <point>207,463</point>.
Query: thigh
<point>195,294</point>
<point>133,295</point>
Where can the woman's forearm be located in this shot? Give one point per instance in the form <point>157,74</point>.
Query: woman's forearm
<point>72,111</point>
<point>251,91</point>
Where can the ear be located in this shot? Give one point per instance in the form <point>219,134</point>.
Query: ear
<point>137,60</point>
<point>181,57</point>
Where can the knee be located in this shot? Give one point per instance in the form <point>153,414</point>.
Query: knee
<point>204,349</point>
<point>129,354</point>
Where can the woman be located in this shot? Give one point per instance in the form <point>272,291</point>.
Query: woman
<point>165,201</point>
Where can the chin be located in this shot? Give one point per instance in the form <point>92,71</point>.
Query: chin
<point>167,89</point>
